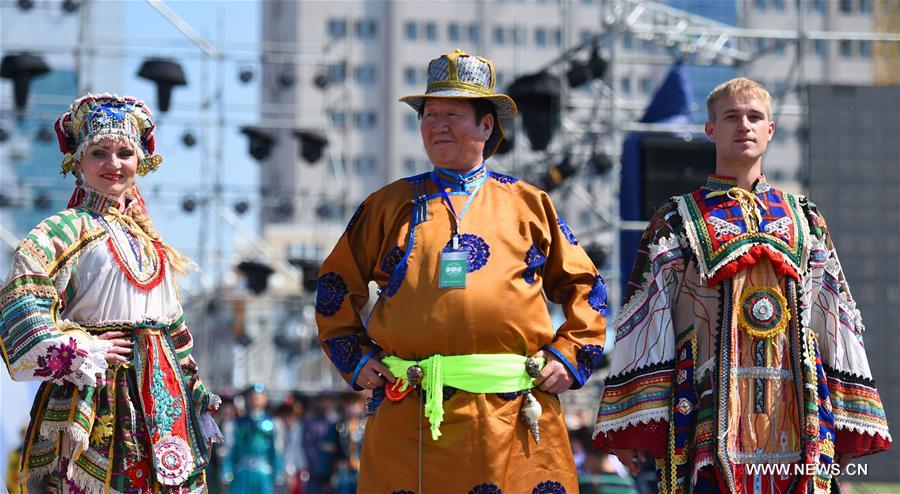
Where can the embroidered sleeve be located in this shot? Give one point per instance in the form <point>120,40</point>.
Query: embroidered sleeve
<point>571,280</point>
<point>829,309</point>
<point>203,400</point>
<point>343,290</point>
<point>36,343</point>
<point>635,407</point>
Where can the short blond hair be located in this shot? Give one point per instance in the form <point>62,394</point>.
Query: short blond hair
<point>737,86</point>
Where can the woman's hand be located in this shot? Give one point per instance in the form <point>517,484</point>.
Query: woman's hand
<point>120,352</point>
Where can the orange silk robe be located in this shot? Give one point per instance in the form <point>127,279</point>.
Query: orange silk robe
<point>520,250</point>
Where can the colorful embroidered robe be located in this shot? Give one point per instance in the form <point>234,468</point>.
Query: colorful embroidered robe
<point>130,428</point>
<point>740,344</point>
<point>519,251</point>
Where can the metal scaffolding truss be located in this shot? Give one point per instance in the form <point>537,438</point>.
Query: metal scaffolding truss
<point>712,42</point>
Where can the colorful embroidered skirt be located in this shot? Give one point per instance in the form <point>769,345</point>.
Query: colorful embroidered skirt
<point>138,432</point>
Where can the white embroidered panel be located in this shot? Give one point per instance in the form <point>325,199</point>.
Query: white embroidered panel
<point>104,295</point>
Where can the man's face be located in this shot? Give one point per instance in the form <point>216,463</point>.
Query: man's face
<point>741,129</point>
<point>452,138</point>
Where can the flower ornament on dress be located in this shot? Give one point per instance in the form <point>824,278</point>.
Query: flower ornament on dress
<point>598,297</point>
<point>533,260</point>
<point>58,360</point>
<point>174,462</point>
<point>330,294</point>
<point>486,489</point>
<point>95,117</point>
<point>503,179</point>
<point>479,250</point>
<point>567,231</point>
<point>589,358</point>
<point>549,487</point>
<point>345,352</point>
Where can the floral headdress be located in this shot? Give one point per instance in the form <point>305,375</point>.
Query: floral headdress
<point>94,117</point>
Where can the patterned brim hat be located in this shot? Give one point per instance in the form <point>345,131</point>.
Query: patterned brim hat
<point>95,117</point>
<point>460,75</point>
<point>464,76</point>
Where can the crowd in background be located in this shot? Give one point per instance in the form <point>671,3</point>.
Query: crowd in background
<point>315,443</point>
<point>310,444</point>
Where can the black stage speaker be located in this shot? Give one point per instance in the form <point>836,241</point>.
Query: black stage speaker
<point>855,180</point>
<point>672,166</point>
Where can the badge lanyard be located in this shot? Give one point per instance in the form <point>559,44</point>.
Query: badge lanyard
<point>457,217</point>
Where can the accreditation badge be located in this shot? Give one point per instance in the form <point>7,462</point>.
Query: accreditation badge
<point>453,269</point>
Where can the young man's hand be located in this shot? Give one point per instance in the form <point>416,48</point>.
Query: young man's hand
<point>627,458</point>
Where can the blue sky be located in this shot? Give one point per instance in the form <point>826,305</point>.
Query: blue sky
<point>183,169</point>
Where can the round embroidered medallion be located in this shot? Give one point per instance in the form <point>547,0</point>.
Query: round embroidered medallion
<point>763,312</point>
<point>330,293</point>
<point>479,250</point>
<point>173,460</point>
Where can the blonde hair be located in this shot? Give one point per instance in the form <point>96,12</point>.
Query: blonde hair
<point>737,86</point>
<point>179,263</point>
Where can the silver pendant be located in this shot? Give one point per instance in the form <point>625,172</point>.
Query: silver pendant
<point>531,414</point>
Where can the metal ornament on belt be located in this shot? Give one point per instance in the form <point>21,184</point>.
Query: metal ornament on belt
<point>414,375</point>
<point>174,462</point>
<point>532,367</point>
<point>531,414</point>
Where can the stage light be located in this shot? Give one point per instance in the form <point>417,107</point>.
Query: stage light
<point>188,139</point>
<point>261,142</point>
<point>21,68</point>
<point>537,96</point>
<point>312,145</point>
<point>188,204</point>
<point>70,6</point>
<point>42,201</point>
<point>245,75</point>
<point>166,74</point>
<point>257,275</point>
<point>601,162</point>
<point>558,173</point>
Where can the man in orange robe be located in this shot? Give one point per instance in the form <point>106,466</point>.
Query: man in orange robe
<point>407,238</point>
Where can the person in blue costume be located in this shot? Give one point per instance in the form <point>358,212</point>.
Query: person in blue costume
<point>253,465</point>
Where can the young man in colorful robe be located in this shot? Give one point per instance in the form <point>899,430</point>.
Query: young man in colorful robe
<point>464,257</point>
<point>739,343</point>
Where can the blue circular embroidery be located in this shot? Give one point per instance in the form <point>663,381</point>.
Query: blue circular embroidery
<point>330,294</point>
<point>354,217</point>
<point>503,179</point>
<point>588,358</point>
<point>486,489</point>
<point>345,352</point>
<point>389,266</point>
<point>598,296</point>
<point>534,260</point>
<point>479,250</point>
<point>393,258</point>
<point>567,231</point>
<point>549,487</point>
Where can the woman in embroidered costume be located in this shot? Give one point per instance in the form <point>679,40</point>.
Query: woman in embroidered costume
<point>740,344</point>
<point>91,308</point>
